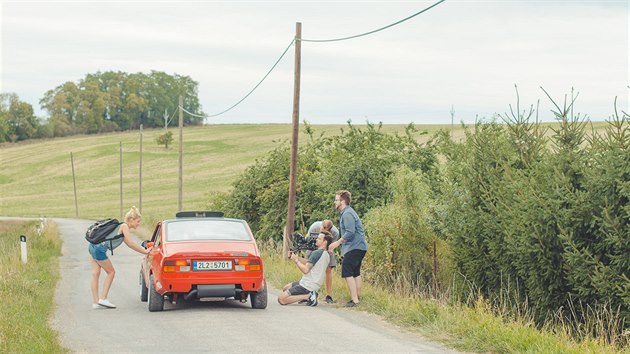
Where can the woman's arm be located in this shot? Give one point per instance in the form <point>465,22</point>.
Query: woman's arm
<point>124,228</point>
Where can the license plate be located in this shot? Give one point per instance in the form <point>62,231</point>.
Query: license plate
<point>212,265</point>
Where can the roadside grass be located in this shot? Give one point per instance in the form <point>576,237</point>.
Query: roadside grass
<point>27,290</point>
<point>481,327</point>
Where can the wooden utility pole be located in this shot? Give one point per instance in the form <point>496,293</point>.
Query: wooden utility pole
<point>435,280</point>
<point>74,182</point>
<point>121,184</point>
<point>181,150</point>
<point>140,175</point>
<point>288,232</point>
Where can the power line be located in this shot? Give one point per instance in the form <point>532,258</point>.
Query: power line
<point>309,40</point>
<point>250,92</point>
<point>376,30</point>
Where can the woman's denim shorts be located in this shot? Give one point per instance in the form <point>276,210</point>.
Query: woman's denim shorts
<point>98,252</point>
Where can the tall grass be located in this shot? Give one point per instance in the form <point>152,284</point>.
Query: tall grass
<point>477,325</point>
<point>27,290</point>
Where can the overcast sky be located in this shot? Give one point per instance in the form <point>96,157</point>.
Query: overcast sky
<point>465,54</point>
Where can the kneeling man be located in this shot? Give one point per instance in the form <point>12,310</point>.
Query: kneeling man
<point>314,273</point>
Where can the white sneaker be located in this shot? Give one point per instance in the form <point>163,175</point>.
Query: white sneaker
<point>96,306</point>
<point>106,303</point>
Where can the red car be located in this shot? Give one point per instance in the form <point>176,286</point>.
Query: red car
<point>202,255</point>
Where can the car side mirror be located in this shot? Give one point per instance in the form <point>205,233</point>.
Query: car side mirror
<point>147,244</point>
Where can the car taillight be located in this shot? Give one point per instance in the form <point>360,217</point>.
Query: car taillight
<point>247,264</point>
<point>176,265</point>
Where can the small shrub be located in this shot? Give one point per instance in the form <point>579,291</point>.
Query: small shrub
<point>165,139</point>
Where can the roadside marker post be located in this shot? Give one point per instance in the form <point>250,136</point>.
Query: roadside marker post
<point>23,248</point>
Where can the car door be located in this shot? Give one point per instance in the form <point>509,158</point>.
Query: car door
<point>149,260</point>
<point>154,258</point>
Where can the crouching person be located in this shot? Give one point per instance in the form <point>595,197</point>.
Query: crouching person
<point>314,273</point>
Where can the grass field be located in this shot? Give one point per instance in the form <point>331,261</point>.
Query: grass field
<point>37,176</point>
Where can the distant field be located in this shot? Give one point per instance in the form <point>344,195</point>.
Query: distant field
<point>36,176</point>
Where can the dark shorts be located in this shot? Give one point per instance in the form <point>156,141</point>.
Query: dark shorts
<point>297,289</point>
<point>351,264</point>
<point>98,252</point>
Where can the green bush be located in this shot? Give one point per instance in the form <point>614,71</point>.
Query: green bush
<point>165,139</point>
<point>359,160</point>
<point>545,216</point>
<point>401,234</point>
<point>513,207</point>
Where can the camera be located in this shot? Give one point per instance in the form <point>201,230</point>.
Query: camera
<point>301,243</point>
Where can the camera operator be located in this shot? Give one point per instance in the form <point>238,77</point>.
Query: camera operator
<point>313,231</point>
<point>314,272</point>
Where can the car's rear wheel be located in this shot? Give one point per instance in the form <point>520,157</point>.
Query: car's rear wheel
<point>259,299</point>
<point>144,291</point>
<point>156,301</point>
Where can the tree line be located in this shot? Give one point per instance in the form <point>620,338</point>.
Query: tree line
<point>540,214</point>
<point>101,102</point>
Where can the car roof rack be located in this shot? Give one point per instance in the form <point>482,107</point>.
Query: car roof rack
<point>199,214</point>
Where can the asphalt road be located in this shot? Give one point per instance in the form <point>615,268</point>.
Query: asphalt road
<point>227,326</point>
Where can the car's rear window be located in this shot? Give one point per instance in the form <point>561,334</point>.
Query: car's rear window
<point>199,230</point>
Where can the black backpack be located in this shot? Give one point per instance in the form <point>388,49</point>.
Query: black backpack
<point>102,231</point>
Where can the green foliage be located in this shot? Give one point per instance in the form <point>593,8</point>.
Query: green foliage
<point>17,121</point>
<point>546,216</point>
<point>401,234</point>
<point>598,238</point>
<point>257,194</point>
<point>26,290</point>
<point>110,101</point>
<point>359,160</point>
<point>165,139</point>
<point>512,206</point>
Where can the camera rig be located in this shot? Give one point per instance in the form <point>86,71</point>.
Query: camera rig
<point>301,243</point>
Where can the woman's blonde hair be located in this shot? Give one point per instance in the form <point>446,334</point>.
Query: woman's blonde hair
<point>133,214</point>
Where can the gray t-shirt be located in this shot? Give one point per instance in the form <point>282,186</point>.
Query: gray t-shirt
<point>314,279</point>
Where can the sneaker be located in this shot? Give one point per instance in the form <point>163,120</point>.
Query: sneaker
<point>329,299</point>
<point>312,298</point>
<point>106,303</point>
<point>351,304</point>
<point>96,306</point>
<point>303,302</point>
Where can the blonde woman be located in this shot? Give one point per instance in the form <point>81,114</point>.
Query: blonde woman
<point>100,261</point>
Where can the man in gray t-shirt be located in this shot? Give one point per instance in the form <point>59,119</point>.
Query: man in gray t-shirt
<point>314,272</point>
<point>313,231</point>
